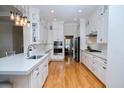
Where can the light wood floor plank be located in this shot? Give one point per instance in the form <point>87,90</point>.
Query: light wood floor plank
<point>70,74</point>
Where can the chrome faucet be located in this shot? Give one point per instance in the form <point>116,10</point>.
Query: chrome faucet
<point>30,47</point>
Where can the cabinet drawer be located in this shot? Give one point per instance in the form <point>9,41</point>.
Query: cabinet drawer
<point>101,61</point>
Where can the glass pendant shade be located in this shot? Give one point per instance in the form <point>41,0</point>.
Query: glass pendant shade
<point>21,21</point>
<point>25,19</point>
<point>17,17</point>
<point>28,23</point>
<point>12,16</point>
<point>17,23</point>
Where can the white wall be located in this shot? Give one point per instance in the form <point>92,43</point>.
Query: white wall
<point>6,42</point>
<point>115,68</point>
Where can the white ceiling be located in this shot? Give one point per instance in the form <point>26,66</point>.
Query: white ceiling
<point>65,13</point>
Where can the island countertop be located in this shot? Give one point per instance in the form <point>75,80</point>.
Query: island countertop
<point>18,64</point>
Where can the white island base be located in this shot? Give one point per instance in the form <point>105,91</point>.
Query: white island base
<point>31,73</point>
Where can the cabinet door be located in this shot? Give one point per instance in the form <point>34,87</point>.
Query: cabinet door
<point>41,33</point>
<point>100,69</point>
<point>95,68</point>
<point>55,31</point>
<point>55,35</point>
<point>100,28</point>
<point>35,25</point>
<point>60,32</point>
<point>35,78</point>
<point>50,36</point>
<point>102,24</point>
<point>102,72</point>
<point>90,61</point>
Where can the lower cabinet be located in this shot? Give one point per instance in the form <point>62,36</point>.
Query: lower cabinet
<point>101,69</point>
<point>35,79</point>
<point>89,59</point>
<point>95,64</point>
<point>39,75</point>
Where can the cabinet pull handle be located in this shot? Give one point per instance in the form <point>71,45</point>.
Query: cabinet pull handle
<point>104,67</point>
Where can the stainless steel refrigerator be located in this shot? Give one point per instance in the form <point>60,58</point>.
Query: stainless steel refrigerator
<point>77,49</point>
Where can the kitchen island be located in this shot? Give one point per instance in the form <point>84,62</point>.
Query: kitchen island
<point>23,72</point>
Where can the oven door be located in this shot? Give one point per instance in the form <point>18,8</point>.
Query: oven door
<point>58,51</point>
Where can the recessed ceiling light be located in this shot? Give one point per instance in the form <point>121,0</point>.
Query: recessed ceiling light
<point>52,11</point>
<point>79,11</point>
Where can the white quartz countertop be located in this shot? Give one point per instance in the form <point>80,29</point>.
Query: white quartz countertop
<point>98,54</point>
<point>18,64</point>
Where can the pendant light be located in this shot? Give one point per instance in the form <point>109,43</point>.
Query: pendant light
<point>17,17</point>
<point>28,23</point>
<point>21,21</point>
<point>25,19</point>
<point>17,23</point>
<point>12,15</point>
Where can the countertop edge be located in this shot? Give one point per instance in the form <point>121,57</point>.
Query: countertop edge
<point>93,54</point>
<point>23,72</point>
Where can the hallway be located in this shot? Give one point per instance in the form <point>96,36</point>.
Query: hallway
<point>70,74</point>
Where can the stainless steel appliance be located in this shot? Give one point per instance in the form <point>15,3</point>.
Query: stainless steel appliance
<point>58,47</point>
<point>77,49</point>
<point>58,43</point>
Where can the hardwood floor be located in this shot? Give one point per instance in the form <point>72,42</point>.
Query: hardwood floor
<point>70,74</point>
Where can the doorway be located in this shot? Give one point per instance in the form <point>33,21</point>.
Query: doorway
<point>69,47</point>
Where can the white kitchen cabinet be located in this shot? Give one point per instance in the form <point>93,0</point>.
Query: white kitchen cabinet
<point>83,57</point>
<point>34,25</point>
<point>43,72</point>
<point>58,33</point>
<point>50,34</point>
<point>95,64</point>
<point>102,24</point>
<point>49,55</point>
<point>89,61</point>
<point>35,79</point>
<point>98,23</point>
<point>101,69</point>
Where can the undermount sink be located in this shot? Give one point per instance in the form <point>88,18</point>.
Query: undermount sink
<point>35,57</point>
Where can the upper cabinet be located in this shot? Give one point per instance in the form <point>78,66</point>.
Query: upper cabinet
<point>35,25</point>
<point>97,25</point>
<point>39,31</point>
<point>43,31</point>
<point>50,33</point>
<point>58,33</point>
<point>102,24</point>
